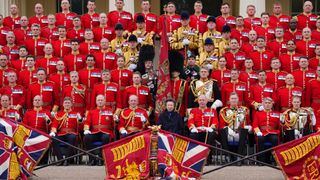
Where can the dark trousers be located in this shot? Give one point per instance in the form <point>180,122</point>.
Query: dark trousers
<point>271,138</point>
<point>91,138</point>
<point>243,133</point>
<point>201,136</point>
<point>69,138</point>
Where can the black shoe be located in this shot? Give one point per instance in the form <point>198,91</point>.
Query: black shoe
<point>92,163</point>
<point>66,163</point>
<point>99,163</point>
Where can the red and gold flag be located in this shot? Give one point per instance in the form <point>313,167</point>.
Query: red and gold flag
<point>300,159</point>
<point>164,86</point>
<point>129,157</point>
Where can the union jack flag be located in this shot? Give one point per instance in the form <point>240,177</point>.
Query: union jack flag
<point>180,157</point>
<point>21,148</point>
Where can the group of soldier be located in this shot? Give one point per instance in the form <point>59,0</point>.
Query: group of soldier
<point>91,77</point>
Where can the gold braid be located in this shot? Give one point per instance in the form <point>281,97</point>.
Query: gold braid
<point>79,91</point>
<point>129,118</point>
<point>62,118</point>
<point>228,119</point>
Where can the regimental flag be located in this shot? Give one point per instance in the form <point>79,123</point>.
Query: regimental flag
<point>300,159</point>
<point>180,157</point>
<point>129,157</point>
<point>21,148</point>
<point>164,85</point>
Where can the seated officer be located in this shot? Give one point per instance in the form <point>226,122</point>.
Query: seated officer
<point>65,126</point>
<point>203,122</point>
<point>133,119</point>
<point>297,121</point>
<point>234,124</point>
<point>99,126</point>
<point>266,125</point>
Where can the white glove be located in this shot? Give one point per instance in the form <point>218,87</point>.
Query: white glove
<point>143,119</point>
<point>140,40</point>
<point>209,129</point>
<point>52,134</point>
<point>86,132</point>
<point>194,130</point>
<point>185,119</point>
<point>53,114</point>
<point>240,117</point>
<point>185,42</point>
<point>231,132</point>
<point>313,119</point>
<point>116,118</point>
<point>132,67</point>
<point>123,131</point>
<point>260,108</point>
<point>296,132</point>
<point>282,118</point>
<point>209,66</point>
<point>259,133</point>
<point>118,51</point>
<point>248,127</point>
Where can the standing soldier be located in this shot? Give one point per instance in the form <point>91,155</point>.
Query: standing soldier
<point>203,123</point>
<point>234,85</point>
<point>39,17</point>
<point>313,92</point>
<point>16,92</point>
<point>4,70</point>
<point>222,74</point>
<point>276,76</point>
<point>60,78</point>
<point>65,17</point>
<point>65,127</point>
<point>235,57</point>
<point>49,61</point>
<point>266,126</point>
<point>47,91</point>
<point>35,44</point>
<point>133,119</point>
<point>249,76</point>
<point>99,126</point>
<point>306,46</point>
<point>89,76</point>
<point>77,92</point>
<point>239,32</point>
<point>198,20</point>
<point>290,59</point>
<point>204,86</point>
<point>89,46</point>
<point>109,90</point>
<point>150,19</point>
<point>278,19</point>
<point>297,121</point>
<point>261,57</point>
<point>91,18</point>
<point>141,91</point>
<point>121,16</point>
<point>103,30</point>
<point>209,55</point>
<point>131,56</point>
<point>226,18</point>
<point>105,59</point>
<point>62,45</point>
<point>121,76</point>
<point>12,21</point>
<point>179,86</point>
<point>173,20</point>
<point>285,94</point>
<point>29,75</point>
<point>304,74</point>
<point>234,124</point>
<point>51,31</point>
<point>74,61</point>
<point>306,18</point>
<point>20,64</point>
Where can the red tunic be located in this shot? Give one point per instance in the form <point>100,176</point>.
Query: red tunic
<point>50,34</point>
<point>222,76</point>
<point>122,77</point>
<point>16,93</point>
<point>235,60</point>
<point>261,59</point>
<point>76,34</point>
<point>65,19</point>
<point>276,78</point>
<point>47,90</point>
<point>103,32</point>
<point>239,87</point>
<point>180,91</point>
<point>240,35</point>
<point>74,62</point>
<point>173,22</point>
<point>48,63</point>
<point>131,119</point>
<point>143,93</point>
<point>252,23</point>
<point>78,93</point>
<point>42,21</point>
<point>11,22</point>
<point>314,62</point>
<point>61,47</point>
<point>280,21</point>
<point>3,34</point>
<point>302,77</point>
<point>313,94</point>
<point>151,21</point>
<point>36,118</point>
<point>90,21</point>
<point>3,75</point>
<point>289,61</point>
<point>306,48</point>
<point>221,21</point>
<point>22,35</point>
<point>124,17</point>
<point>307,21</point>
<point>26,77</point>
<point>267,33</point>
<point>285,94</point>
<point>105,60</point>
<point>259,92</point>
<point>35,46</point>
<point>199,23</point>
<point>277,47</point>
<point>207,117</point>
<point>100,120</point>
<point>89,48</point>
<point>110,91</point>
<point>65,123</point>
<point>268,122</point>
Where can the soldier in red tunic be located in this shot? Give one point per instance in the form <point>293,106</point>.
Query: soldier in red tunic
<point>203,123</point>
<point>12,21</point>
<point>4,70</point>
<point>251,21</point>
<point>278,19</point>
<point>121,16</point>
<point>313,92</point>
<point>151,19</point>
<point>51,31</point>
<point>99,126</point>
<point>8,112</point>
<point>198,20</point>
<point>133,119</point>
<point>103,31</point>
<point>76,32</point>
<point>65,127</point>
<point>28,75</point>
<point>74,61</point>
<point>290,59</point>
<point>91,18</point>
<point>35,44</point>
<point>276,76</point>
<point>65,17</point>
<point>226,18</point>
<point>39,17</point>
<point>122,76</point>
<point>307,18</point>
